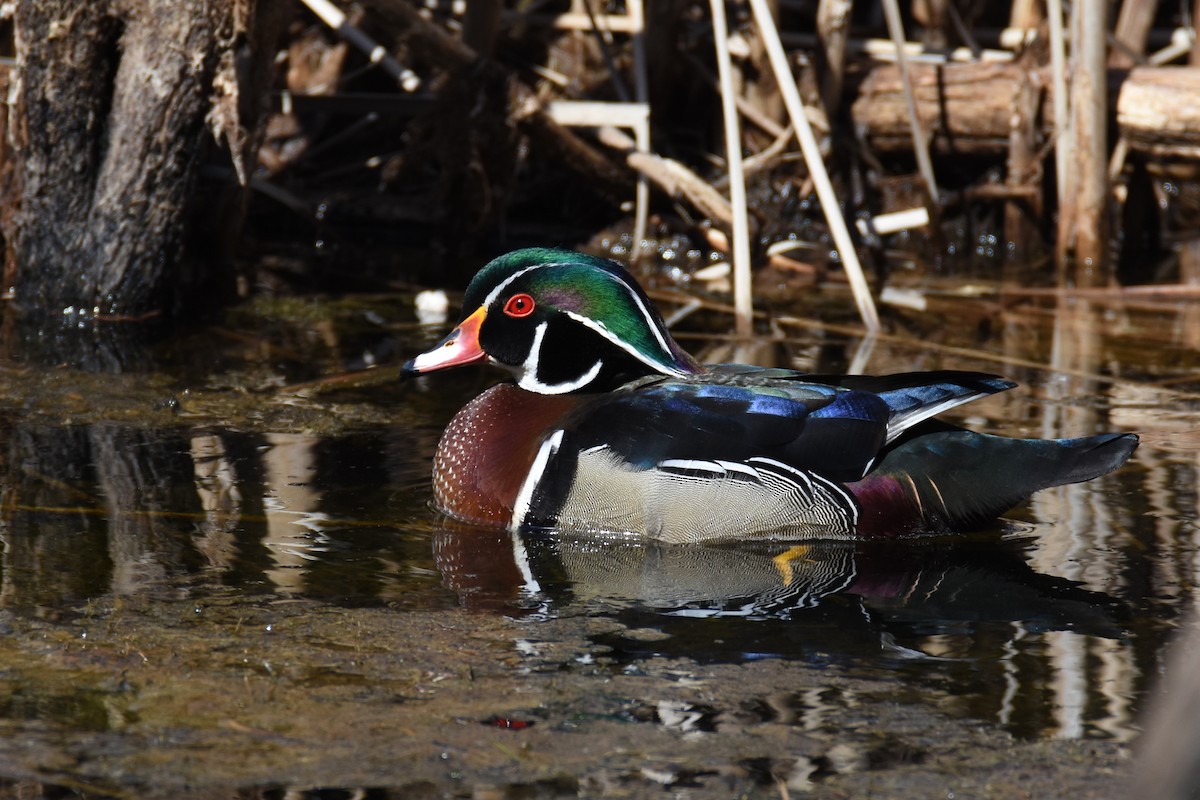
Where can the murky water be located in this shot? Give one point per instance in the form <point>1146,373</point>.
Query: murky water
<point>217,575</point>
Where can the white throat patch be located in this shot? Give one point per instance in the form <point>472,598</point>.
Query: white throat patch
<point>527,373</point>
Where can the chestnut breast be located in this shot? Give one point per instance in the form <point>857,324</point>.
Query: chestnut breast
<point>488,448</point>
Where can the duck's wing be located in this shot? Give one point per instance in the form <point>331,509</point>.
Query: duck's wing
<point>833,426</point>
<point>695,459</point>
<point>917,396</point>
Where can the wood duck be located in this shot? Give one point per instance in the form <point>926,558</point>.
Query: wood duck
<point>609,427</point>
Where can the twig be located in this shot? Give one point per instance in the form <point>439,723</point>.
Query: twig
<point>747,109</point>
<point>885,50</point>
<point>1058,67</point>
<point>764,158</point>
<point>604,42</point>
<point>335,18</point>
<point>833,29</point>
<point>1082,229</point>
<point>920,143</point>
<point>964,33</point>
<point>346,380</point>
<point>962,352</point>
<point>1170,289</point>
<point>742,301</point>
<point>672,177</point>
<point>687,300</point>
<point>816,166</point>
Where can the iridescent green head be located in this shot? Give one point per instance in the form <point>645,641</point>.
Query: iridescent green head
<point>561,322</point>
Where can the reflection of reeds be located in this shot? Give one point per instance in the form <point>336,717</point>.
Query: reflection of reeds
<point>291,502</point>
<point>221,498</point>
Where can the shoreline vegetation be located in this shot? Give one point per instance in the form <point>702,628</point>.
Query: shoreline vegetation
<point>263,153</point>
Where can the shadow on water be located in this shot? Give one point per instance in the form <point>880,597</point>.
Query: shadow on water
<point>946,611</point>
<point>197,557</point>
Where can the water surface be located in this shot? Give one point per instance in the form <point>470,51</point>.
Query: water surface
<point>218,574</point>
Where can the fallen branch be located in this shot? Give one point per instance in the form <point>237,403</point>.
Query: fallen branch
<point>674,178</point>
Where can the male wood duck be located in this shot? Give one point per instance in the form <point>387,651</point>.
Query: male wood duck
<point>609,427</point>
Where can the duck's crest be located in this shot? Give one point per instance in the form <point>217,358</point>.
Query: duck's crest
<point>595,292</point>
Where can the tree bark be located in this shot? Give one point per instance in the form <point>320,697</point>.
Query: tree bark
<point>107,130</point>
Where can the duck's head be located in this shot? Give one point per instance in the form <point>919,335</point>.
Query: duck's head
<point>560,322</point>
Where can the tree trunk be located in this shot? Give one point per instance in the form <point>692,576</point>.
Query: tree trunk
<point>107,130</point>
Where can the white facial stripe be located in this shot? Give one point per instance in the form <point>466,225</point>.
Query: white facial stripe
<point>530,365</point>
<point>646,315</point>
<point>528,377</point>
<point>487,303</point>
<point>536,470</point>
<point>601,329</point>
<point>529,382</point>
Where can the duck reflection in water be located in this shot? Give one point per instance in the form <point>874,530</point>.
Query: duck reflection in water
<point>934,582</point>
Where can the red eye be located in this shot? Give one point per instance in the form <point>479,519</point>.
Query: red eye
<point>519,305</point>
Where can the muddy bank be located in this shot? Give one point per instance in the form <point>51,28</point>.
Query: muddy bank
<point>196,697</point>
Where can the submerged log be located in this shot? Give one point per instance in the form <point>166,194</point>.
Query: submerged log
<point>107,132</point>
<point>968,108</point>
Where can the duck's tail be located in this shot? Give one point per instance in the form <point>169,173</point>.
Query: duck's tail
<point>938,477</point>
